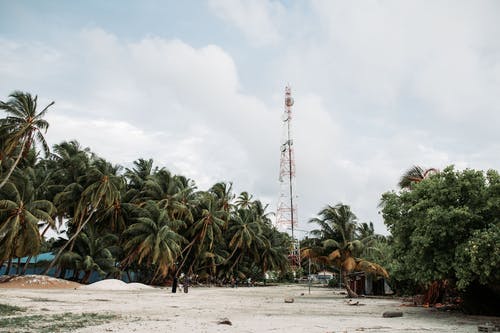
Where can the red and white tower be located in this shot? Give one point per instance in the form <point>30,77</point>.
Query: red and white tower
<point>286,215</point>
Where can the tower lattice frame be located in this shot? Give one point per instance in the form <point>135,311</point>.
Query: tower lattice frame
<point>286,214</point>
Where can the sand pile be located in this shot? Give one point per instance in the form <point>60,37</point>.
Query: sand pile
<point>37,282</point>
<point>113,284</point>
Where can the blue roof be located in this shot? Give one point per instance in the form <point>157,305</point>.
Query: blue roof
<point>47,256</point>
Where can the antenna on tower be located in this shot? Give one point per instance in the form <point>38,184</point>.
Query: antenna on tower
<point>286,215</point>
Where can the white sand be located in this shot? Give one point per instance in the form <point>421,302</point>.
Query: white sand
<point>113,284</point>
<point>259,309</point>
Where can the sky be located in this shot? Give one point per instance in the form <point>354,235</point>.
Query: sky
<point>379,86</point>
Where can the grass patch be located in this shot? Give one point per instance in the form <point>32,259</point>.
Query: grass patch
<point>7,310</point>
<point>65,322</point>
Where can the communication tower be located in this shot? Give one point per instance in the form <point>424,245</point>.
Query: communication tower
<point>286,214</point>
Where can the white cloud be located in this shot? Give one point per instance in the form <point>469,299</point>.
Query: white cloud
<point>258,19</point>
<point>154,98</point>
<point>379,87</point>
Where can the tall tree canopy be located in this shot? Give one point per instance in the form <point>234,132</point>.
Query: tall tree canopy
<point>22,126</point>
<point>344,242</point>
<point>447,228</point>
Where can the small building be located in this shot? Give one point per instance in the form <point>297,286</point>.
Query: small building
<point>35,266</point>
<point>323,276</point>
<point>368,284</point>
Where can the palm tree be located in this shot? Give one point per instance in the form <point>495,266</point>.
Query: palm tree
<point>152,239</point>
<point>20,214</point>
<point>103,190</point>
<point>273,251</point>
<point>343,251</point>
<point>206,230</point>
<point>93,251</point>
<point>224,195</point>
<point>365,230</point>
<point>415,175</point>
<point>244,200</point>
<point>137,177</point>
<point>173,193</point>
<point>246,235</point>
<point>22,127</point>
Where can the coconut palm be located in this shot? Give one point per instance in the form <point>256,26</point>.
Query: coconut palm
<point>20,214</point>
<point>152,239</point>
<point>244,200</point>
<point>137,177</point>
<point>22,127</point>
<point>343,251</point>
<point>173,193</point>
<point>93,251</point>
<point>273,252</point>
<point>415,175</point>
<point>246,235</point>
<point>103,189</point>
<point>206,230</point>
<point>224,195</point>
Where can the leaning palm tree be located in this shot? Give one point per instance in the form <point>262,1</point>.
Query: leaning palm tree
<point>342,251</point>
<point>224,195</point>
<point>152,240</point>
<point>23,126</point>
<point>206,230</point>
<point>93,251</point>
<point>415,174</point>
<point>20,214</point>
<point>273,251</point>
<point>246,235</point>
<point>102,191</point>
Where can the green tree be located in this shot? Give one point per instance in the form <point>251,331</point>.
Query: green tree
<point>206,230</point>
<point>103,189</point>
<point>20,214</point>
<point>246,235</point>
<point>415,175</point>
<point>93,251</point>
<point>22,126</point>
<point>437,227</point>
<point>344,252</point>
<point>152,240</point>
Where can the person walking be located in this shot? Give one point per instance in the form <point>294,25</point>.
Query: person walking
<point>174,284</point>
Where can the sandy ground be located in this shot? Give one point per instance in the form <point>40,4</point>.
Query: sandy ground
<point>257,309</point>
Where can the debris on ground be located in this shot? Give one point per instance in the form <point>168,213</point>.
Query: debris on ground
<point>225,321</point>
<point>392,314</point>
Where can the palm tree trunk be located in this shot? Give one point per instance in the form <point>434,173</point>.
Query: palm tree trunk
<point>128,276</point>
<point>80,228</point>
<point>86,277</point>
<point>4,181</point>
<point>184,260</point>
<point>9,264</point>
<point>26,265</point>
<point>18,265</point>
<point>350,292</point>
<point>30,256</point>
<point>236,261</point>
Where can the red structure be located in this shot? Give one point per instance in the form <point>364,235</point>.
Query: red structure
<point>286,215</point>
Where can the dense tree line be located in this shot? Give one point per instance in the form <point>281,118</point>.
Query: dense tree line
<point>142,219</point>
<point>444,225</point>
